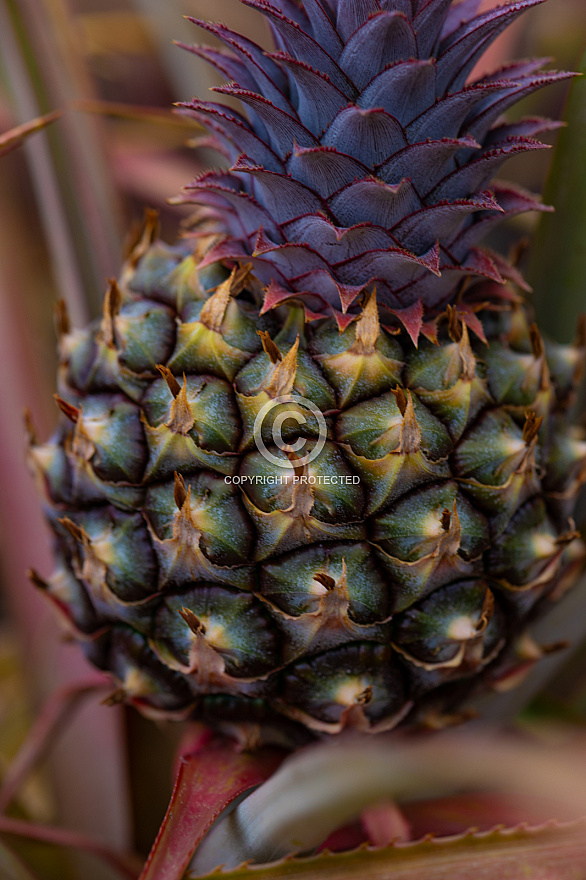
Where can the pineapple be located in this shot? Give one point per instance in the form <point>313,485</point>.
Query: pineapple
<point>315,466</point>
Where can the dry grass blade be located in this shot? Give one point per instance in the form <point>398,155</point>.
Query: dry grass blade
<point>139,113</point>
<point>13,138</point>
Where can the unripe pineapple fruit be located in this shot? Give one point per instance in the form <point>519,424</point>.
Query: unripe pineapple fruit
<point>315,467</point>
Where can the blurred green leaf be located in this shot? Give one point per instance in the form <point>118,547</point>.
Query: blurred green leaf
<point>557,270</point>
<point>11,868</point>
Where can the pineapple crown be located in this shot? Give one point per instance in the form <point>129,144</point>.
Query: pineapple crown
<point>365,153</point>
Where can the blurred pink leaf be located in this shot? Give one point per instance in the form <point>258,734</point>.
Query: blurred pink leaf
<point>385,823</point>
<point>484,811</point>
<point>152,177</point>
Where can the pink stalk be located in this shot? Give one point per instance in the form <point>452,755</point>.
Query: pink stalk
<point>384,824</point>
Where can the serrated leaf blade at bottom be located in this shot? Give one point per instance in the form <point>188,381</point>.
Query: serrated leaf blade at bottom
<point>550,852</point>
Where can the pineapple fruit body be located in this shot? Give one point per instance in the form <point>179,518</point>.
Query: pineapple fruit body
<point>315,468</point>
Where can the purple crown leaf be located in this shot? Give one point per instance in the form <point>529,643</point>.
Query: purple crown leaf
<point>459,51</point>
<point>361,147</point>
<point>404,90</point>
<point>367,135</point>
<point>425,162</point>
<point>382,40</point>
<point>324,169</point>
<point>319,101</point>
<point>323,29</point>
<point>428,22</point>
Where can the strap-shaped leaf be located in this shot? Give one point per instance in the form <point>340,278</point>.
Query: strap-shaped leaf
<point>323,787</point>
<point>553,851</point>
